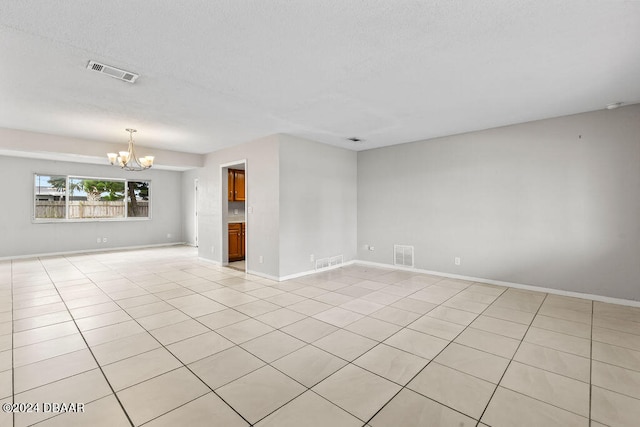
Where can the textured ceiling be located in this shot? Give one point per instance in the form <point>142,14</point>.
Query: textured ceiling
<point>219,73</point>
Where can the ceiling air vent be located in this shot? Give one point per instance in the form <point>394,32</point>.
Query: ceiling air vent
<point>403,255</point>
<point>117,73</point>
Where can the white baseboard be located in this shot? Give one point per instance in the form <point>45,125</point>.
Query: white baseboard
<point>308,272</point>
<point>296,275</point>
<point>83,251</point>
<point>212,261</point>
<point>253,273</point>
<point>600,298</point>
<point>264,275</point>
<point>593,297</point>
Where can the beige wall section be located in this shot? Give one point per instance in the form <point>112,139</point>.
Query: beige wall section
<point>318,203</point>
<point>262,158</point>
<point>40,145</point>
<point>301,200</point>
<point>552,203</point>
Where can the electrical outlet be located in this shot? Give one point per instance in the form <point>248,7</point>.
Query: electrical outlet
<point>371,248</point>
<point>212,249</point>
<point>260,259</point>
<point>99,240</point>
<point>169,235</point>
<point>456,260</point>
<point>104,240</point>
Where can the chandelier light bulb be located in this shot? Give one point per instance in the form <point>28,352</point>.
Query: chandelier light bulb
<point>128,160</point>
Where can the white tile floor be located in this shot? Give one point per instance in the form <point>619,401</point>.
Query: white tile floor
<point>156,337</point>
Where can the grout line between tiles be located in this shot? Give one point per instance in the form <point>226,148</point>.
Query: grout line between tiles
<point>347,363</point>
<point>511,360</point>
<point>635,369</point>
<point>60,414</point>
<point>183,364</point>
<point>601,386</point>
<point>89,348</point>
<point>434,357</point>
<point>171,410</point>
<point>13,371</point>
<point>246,291</point>
<point>591,362</point>
<point>483,351</point>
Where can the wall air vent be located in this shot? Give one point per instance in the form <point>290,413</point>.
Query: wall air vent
<point>403,255</point>
<point>330,262</point>
<point>117,73</point>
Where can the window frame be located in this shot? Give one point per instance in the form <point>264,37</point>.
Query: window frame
<point>66,218</point>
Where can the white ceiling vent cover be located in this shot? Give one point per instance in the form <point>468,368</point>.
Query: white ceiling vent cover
<point>117,73</point>
<point>403,255</point>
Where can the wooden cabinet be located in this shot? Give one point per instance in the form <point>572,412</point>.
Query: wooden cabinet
<point>236,241</point>
<point>236,185</point>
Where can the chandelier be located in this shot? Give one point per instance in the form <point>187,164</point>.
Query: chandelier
<point>128,160</point>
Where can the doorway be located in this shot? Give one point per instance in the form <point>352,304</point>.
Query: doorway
<point>234,232</point>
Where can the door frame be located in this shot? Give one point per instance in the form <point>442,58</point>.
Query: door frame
<point>195,207</point>
<point>224,208</point>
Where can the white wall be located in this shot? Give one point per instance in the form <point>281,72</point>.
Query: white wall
<point>19,236</point>
<point>552,203</point>
<point>318,203</point>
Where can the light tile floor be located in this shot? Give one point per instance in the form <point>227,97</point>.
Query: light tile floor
<point>158,337</point>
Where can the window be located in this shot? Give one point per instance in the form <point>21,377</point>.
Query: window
<point>50,196</point>
<point>138,199</point>
<point>59,197</point>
